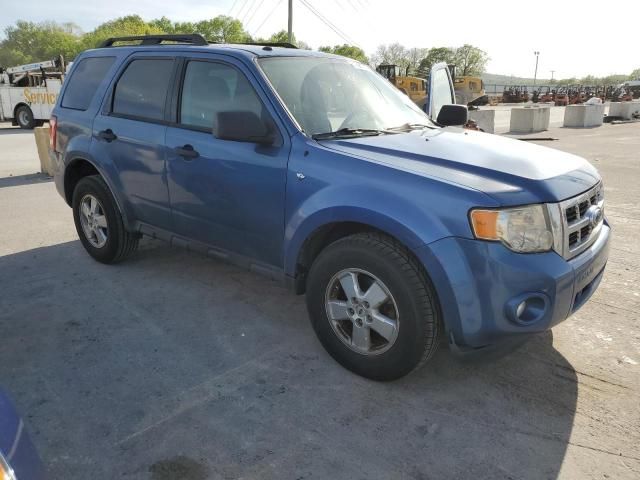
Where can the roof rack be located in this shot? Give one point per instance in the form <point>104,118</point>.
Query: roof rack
<point>193,39</point>
<point>270,44</point>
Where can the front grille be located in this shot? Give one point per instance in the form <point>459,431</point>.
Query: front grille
<point>581,222</point>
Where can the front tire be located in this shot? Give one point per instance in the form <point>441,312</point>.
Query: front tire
<point>373,307</point>
<point>99,222</point>
<point>24,117</point>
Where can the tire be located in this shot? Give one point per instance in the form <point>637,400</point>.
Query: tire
<point>412,305</point>
<point>24,117</point>
<point>103,235</point>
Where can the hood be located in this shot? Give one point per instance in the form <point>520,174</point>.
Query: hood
<point>511,171</point>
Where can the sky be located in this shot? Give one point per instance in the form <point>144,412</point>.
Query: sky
<point>571,40</point>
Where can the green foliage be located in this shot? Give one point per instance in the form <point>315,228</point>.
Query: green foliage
<point>28,42</point>
<point>283,37</point>
<point>470,60</point>
<point>345,50</point>
<point>635,75</point>
<point>129,25</point>
<point>436,55</point>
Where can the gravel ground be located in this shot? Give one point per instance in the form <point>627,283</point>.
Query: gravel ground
<point>176,366</point>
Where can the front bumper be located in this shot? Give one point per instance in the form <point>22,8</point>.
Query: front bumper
<point>479,285</point>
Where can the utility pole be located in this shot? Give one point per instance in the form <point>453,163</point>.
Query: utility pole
<point>552,72</point>
<point>290,30</point>
<point>535,74</point>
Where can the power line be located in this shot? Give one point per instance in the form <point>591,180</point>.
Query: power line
<point>255,32</point>
<point>249,4</point>
<point>253,14</point>
<point>235,2</point>
<point>237,15</point>
<point>328,23</point>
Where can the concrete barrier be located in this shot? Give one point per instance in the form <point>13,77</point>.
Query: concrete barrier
<point>529,119</point>
<point>624,110</point>
<point>583,115</point>
<point>42,143</point>
<point>486,119</point>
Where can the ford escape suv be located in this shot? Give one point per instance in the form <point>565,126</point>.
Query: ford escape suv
<point>400,227</point>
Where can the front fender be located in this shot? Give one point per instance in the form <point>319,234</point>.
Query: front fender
<point>380,209</point>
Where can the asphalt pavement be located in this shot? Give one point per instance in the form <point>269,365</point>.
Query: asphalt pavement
<point>172,365</point>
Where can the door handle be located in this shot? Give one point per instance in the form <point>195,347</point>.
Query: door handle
<point>107,135</point>
<point>187,152</point>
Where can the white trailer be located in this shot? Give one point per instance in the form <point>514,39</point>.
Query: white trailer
<point>29,92</point>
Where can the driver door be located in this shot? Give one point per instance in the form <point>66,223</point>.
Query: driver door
<point>441,90</point>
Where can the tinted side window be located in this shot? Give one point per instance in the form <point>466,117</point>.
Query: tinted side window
<point>210,88</point>
<point>84,82</point>
<point>142,89</point>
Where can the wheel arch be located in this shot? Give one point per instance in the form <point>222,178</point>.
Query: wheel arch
<point>18,105</point>
<point>76,170</point>
<point>301,257</point>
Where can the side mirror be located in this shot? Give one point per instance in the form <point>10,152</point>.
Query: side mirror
<point>453,115</point>
<point>242,126</point>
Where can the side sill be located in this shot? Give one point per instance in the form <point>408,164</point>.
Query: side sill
<point>246,263</point>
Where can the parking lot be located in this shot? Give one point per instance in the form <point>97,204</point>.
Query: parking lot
<point>172,365</point>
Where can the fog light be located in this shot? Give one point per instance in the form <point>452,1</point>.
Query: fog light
<point>528,308</point>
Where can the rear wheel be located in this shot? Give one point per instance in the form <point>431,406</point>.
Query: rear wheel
<point>24,117</point>
<point>99,222</point>
<point>372,306</point>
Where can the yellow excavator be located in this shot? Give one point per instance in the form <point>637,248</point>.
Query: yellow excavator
<point>469,90</point>
<point>414,87</point>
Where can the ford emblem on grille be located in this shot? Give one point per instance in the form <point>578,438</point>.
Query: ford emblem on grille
<point>594,214</point>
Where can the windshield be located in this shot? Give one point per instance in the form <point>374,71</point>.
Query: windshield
<point>328,95</point>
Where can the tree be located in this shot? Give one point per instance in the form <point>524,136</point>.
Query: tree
<point>345,50</point>
<point>222,29</point>
<point>28,42</point>
<point>393,54</point>
<point>470,60</point>
<point>129,25</point>
<point>283,37</point>
<point>436,55</point>
<point>635,75</point>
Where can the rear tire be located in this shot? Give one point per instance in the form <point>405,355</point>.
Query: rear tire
<point>24,117</point>
<point>408,336</point>
<point>99,223</point>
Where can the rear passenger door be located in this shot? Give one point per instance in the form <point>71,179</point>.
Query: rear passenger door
<point>230,194</point>
<point>129,133</point>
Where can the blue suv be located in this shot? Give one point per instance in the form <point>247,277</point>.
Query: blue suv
<point>400,226</point>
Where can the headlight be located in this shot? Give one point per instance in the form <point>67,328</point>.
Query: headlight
<point>522,229</point>
<point>6,472</point>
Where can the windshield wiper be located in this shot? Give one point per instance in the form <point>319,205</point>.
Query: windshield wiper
<point>348,133</point>
<point>407,127</point>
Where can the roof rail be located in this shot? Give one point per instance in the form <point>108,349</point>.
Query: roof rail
<point>270,44</point>
<point>193,39</point>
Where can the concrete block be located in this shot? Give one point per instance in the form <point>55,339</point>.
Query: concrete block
<point>42,143</point>
<point>625,110</point>
<point>486,119</point>
<point>530,119</point>
<point>583,115</point>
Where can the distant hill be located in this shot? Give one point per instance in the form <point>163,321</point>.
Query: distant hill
<point>495,79</point>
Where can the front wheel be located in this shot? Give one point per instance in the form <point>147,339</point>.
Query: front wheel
<point>373,307</point>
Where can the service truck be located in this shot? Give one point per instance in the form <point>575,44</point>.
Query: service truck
<point>29,92</point>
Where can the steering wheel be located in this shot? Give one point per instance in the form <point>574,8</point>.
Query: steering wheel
<point>359,119</point>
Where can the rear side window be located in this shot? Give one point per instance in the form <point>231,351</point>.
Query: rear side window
<point>142,89</point>
<point>84,82</point>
